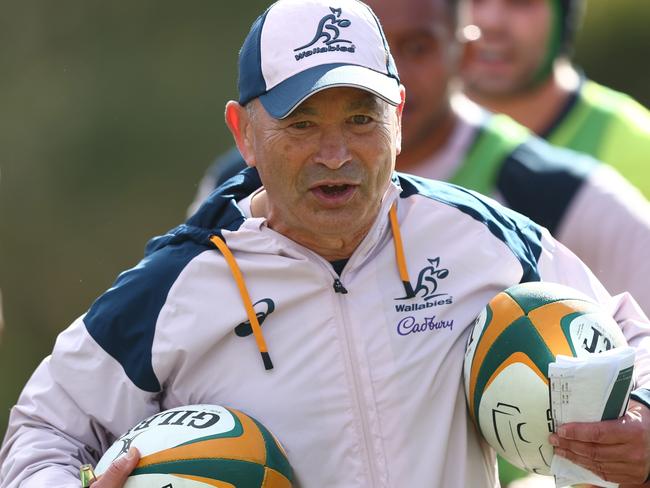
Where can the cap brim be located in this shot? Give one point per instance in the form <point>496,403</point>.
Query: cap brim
<point>282,99</point>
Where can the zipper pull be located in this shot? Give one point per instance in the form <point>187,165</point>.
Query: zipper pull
<point>338,287</point>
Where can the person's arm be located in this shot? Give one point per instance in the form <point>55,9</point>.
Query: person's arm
<point>71,410</point>
<point>616,450</point>
<point>608,226</point>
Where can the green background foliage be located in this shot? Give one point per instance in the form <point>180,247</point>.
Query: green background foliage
<point>109,114</point>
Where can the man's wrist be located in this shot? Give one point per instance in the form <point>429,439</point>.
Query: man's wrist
<point>641,395</point>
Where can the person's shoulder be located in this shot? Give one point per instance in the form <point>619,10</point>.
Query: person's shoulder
<point>458,198</point>
<point>449,194</point>
<point>123,320</point>
<point>516,231</point>
<point>621,107</point>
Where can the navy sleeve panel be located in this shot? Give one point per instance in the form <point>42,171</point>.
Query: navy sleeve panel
<point>226,166</point>
<point>516,231</point>
<point>123,320</point>
<point>540,180</point>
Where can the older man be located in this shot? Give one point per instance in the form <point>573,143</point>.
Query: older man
<point>321,228</point>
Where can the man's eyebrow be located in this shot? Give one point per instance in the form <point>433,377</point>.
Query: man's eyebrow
<point>370,102</point>
<point>302,110</point>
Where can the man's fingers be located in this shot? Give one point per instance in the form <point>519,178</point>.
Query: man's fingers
<point>606,432</point>
<point>119,470</point>
<point>599,452</point>
<point>618,431</point>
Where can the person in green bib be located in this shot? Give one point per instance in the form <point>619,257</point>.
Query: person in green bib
<point>521,66</point>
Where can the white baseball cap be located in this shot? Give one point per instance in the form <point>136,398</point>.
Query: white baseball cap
<point>300,47</point>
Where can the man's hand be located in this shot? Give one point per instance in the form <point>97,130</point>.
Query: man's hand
<point>616,450</point>
<point>117,473</point>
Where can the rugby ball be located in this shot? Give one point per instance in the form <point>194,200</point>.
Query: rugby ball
<point>512,342</point>
<point>202,446</point>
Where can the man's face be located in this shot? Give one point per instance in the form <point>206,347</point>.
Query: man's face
<point>326,167</point>
<point>421,37</point>
<point>513,44</point>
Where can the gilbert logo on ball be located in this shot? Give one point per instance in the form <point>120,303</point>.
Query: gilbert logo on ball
<point>513,341</point>
<point>202,446</point>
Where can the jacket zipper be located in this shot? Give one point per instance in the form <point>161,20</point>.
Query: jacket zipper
<point>357,382</point>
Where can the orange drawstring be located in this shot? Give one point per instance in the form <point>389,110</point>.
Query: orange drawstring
<point>399,252</point>
<point>248,304</point>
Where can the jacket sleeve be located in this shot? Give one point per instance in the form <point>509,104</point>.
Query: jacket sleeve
<point>608,226</point>
<point>558,264</point>
<point>73,407</point>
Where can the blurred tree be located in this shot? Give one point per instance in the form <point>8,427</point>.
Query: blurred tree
<point>612,46</point>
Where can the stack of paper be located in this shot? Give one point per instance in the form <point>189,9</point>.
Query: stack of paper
<point>588,389</point>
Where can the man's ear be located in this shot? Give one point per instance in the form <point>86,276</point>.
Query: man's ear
<point>238,121</point>
<point>400,110</point>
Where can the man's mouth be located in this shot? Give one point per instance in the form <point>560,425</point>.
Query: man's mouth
<point>335,194</point>
<point>333,189</point>
<point>492,55</point>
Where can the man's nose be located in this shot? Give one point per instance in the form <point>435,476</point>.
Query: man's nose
<point>334,150</point>
<point>488,15</point>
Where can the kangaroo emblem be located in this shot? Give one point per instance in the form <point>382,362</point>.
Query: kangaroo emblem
<point>328,29</point>
<point>428,281</point>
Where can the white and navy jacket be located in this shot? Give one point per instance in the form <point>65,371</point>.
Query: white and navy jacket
<point>366,388</point>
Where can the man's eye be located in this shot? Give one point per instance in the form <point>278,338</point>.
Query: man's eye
<point>303,124</point>
<point>360,119</point>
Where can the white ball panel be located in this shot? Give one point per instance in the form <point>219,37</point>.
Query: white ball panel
<point>169,429</point>
<point>513,415</point>
<point>592,333</point>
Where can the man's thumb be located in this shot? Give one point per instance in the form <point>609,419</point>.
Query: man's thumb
<point>119,470</point>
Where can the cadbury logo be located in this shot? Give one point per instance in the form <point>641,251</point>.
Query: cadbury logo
<point>408,325</point>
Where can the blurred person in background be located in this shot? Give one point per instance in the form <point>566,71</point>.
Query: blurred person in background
<point>586,205</point>
<point>521,66</point>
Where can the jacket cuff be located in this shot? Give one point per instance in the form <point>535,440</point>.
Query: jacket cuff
<point>641,395</point>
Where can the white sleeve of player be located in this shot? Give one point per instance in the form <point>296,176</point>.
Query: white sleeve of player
<point>70,411</point>
<point>608,227</point>
<point>558,264</point>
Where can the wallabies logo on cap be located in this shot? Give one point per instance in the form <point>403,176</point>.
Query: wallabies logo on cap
<point>328,31</point>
